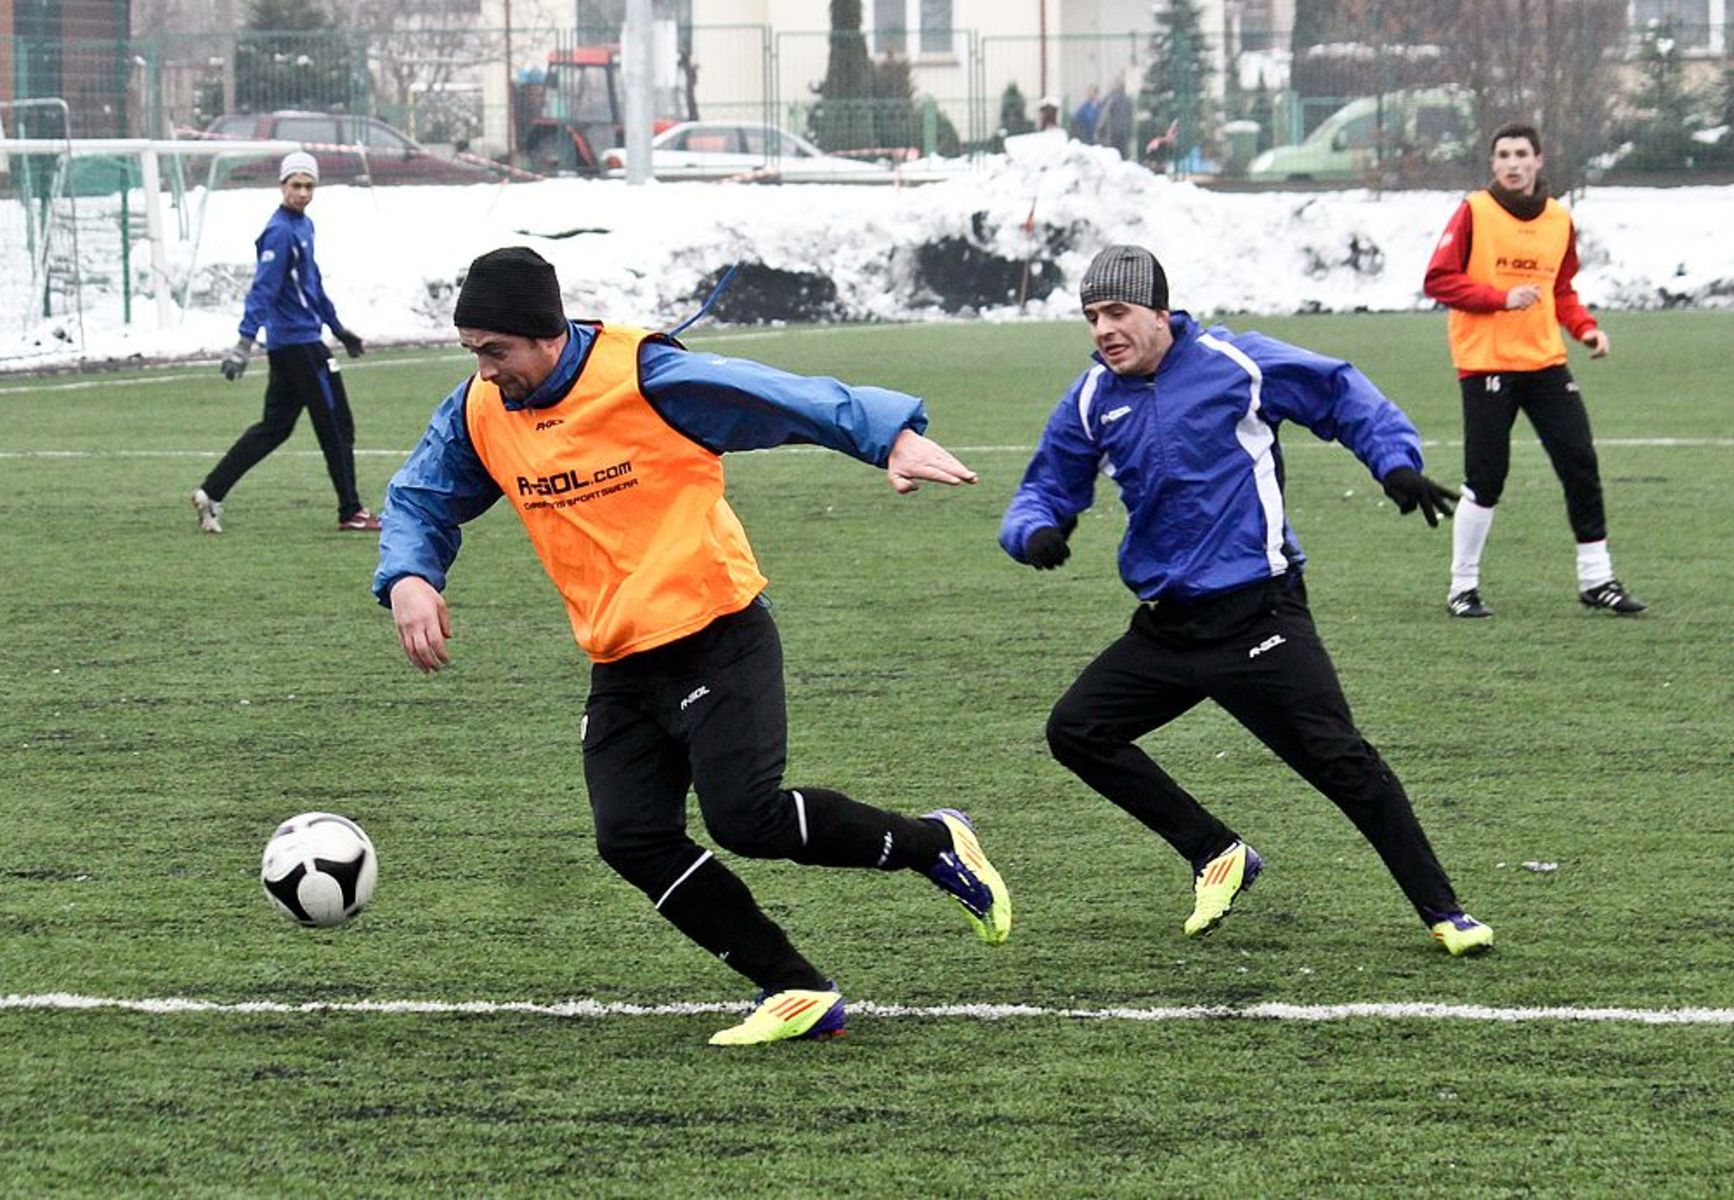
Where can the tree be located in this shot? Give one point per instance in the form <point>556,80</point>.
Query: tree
<point>1668,107</point>
<point>900,115</point>
<point>1014,117</point>
<point>1554,62</point>
<point>843,118</point>
<point>1175,91</point>
<point>292,55</point>
<point>416,56</point>
<point>1263,111</point>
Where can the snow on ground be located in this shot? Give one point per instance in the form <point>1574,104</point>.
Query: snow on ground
<point>393,257</point>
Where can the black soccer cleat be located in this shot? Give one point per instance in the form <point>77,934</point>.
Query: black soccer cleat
<point>1612,596</point>
<point>1468,604</point>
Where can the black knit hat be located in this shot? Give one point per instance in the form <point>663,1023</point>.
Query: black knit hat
<point>513,290</point>
<point>1129,274</point>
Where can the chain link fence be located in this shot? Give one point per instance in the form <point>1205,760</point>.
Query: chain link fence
<point>1651,101</point>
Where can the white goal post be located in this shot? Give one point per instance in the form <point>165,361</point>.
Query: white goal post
<point>150,153</point>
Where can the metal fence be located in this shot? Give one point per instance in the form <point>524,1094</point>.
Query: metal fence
<point>1650,101</point>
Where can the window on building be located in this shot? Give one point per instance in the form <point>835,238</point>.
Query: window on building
<point>1694,23</point>
<point>907,27</point>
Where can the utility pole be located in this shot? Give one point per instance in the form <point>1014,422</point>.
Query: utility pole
<point>638,70</point>
<point>511,98</point>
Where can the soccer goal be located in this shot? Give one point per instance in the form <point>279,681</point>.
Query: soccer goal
<point>95,226</point>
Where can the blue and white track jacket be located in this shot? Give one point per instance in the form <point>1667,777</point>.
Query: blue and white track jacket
<point>1195,453</point>
<point>721,403</point>
<point>287,298</point>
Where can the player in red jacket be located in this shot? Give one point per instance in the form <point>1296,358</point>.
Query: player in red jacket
<point>1504,268</point>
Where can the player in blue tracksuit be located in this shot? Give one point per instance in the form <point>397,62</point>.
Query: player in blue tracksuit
<point>1184,420</point>
<point>288,301</point>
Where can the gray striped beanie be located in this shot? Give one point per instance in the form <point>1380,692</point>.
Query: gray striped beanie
<point>1129,274</point>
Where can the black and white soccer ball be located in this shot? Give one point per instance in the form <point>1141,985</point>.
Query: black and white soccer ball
<point>319,869</point>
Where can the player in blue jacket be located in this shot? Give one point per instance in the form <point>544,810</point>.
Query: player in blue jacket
<point>288,301</point>
<point>608,443</point>
<point>1185,420</point>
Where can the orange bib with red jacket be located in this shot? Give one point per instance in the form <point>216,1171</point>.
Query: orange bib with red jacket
<point>626,513</point>
<point>1507,253</point>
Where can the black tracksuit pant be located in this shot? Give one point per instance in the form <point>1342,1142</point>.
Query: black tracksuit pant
<point>708,712</point>
<point>1551,400</point>
<point>301,377</point>
<point>1256,653</point>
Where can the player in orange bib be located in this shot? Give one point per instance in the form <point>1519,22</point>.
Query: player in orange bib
<point>1504,268</point>
<point>607,441</point>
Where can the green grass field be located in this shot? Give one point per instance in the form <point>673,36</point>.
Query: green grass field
<point>169,697</point>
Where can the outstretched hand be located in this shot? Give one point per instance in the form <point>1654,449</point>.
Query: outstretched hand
<point>915,459</point>
<point>1409,490</point>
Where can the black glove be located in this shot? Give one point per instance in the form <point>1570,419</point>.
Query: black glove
<point>351,343</point>
<point>1047,547</point>
<point>1409,490</point>
<point>235,361</point>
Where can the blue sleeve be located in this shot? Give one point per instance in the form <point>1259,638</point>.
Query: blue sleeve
<point>442,485</point>
<point>274,247</point>
<point>1060,482</point>
<point>1334,400</point>
<point>327,310</point>
<point>737,404</point>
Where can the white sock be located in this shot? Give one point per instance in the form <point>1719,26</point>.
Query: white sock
<point>1469,529</point>
<point>1595,566</point>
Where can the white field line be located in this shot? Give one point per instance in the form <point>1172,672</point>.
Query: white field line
<point>38,386</point>
<point>968,1012</point>
<point>1519,443</point>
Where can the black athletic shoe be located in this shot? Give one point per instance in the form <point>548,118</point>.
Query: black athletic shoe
<point>1613,596</point>
<point>1468,604</point>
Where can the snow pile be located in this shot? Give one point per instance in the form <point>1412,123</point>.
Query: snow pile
<point>1017,225</point>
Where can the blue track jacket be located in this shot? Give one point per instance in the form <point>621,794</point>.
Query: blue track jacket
<point>1195,453</point>
<point>721,403</point>
<point>287,297</point>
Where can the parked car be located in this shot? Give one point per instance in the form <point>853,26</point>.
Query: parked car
<point>1436,124</point>
<point>745,149</point>
<point>390,156</point>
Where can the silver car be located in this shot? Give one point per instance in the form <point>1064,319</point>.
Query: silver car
<point>747,151</point>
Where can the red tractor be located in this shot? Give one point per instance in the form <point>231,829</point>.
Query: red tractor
<point>575,112</point>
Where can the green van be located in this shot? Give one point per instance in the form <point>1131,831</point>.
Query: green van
<point>1435,124</point>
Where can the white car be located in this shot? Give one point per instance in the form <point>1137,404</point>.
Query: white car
<point>745,150</point>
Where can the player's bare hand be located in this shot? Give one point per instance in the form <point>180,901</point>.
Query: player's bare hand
<point>916,459</point>
<point>423,623</point>
<point>1523,296</point>
<point>1598,342</point>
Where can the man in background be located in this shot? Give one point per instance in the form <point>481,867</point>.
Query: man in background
<point>288,301</point>
<point>1504,268</point>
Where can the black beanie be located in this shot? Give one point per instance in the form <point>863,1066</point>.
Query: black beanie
<point>513,290</point>
<point>1129,274</point>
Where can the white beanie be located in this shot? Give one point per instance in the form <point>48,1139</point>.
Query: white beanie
<point>298,162</point>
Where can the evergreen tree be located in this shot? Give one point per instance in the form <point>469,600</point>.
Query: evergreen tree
<point>843,118</point>
<point>1663,135</point>
<point>1175,90</point>
<point>1014,115</point>
<point>292,55</point>
<point>1263,111</point>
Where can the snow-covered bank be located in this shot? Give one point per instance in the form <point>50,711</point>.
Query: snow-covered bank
<point>392,257</point>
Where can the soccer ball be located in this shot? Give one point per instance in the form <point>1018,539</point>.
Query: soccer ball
<point>319,869</point>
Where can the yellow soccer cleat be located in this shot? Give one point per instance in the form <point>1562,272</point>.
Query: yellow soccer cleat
<point>1216,886</point>
<point>965,873</point>
<point>1462,934</point>
<point>786,1015</point>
